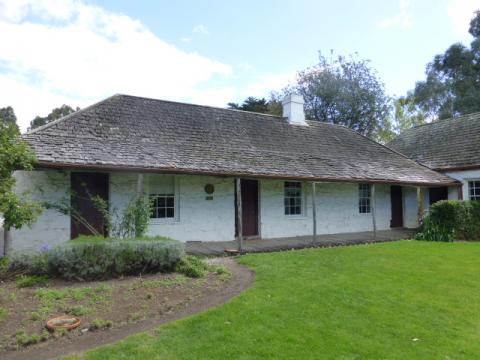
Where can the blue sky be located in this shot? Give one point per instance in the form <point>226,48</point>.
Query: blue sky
<point>208,52</point>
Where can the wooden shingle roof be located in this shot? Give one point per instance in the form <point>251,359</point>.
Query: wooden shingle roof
<point>139,134</point>
<point>444,144</point>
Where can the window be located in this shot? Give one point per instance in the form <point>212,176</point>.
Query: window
<point>163,206</point>
<point>474,190</point>
<point>293,198</point>
<point>161,190</point>
<point>364,195</point>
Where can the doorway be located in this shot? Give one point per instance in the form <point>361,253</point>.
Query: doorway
<point>396,198</point>
<point>249,189</point>
<point>86,219</point>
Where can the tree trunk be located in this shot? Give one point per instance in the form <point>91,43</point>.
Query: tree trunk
<point>7,242</point>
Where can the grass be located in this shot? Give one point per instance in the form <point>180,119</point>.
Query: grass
<point>32,280</point>
<point>402,300</point>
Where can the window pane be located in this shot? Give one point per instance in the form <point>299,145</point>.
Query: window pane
<point>170,213</point>
<point>293,198</point>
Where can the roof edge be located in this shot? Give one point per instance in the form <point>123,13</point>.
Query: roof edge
<point>101,167</point>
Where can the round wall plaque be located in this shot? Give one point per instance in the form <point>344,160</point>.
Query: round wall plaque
<point>209,189</point>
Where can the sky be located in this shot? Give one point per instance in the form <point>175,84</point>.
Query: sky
<point>211,52</point>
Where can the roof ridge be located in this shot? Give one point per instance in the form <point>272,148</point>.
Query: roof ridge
<point>433,122</point>
<point>199,105</point>
<point>66,117</point>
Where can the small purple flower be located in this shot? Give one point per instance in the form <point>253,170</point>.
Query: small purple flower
<point>45,248</point>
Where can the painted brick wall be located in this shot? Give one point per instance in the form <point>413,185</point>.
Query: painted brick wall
<point>198,219</point>
<point>337,210</point>
<point>464,177</point>
<point>51,227</point>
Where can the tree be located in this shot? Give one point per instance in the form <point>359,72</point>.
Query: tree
<point>406,115</point>
<point>55,114</point>
<point>8,115</point>
<point>345,91</point>
<point>452,84</point>
<point>14,155</point>
<point>259,105</point>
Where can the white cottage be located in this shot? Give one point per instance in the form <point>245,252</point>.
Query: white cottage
<point>451,147</point>
<point>295,176</point>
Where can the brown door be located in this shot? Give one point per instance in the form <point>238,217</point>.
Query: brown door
<point>397,206</point>
<point>249,190</point>
<point>85,216</point>
<point>437,194</point>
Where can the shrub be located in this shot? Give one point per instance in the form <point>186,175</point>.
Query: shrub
<point>31,280</point>
<point>192,266</point>
<point>87,260</point>
<point>450,220</point>
<point>100,324</point>
<point>27,263</point>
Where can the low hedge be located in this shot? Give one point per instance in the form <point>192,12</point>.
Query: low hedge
<point>450,220</point>
<point>89,260</point>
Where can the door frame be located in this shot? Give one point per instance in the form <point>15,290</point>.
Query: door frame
<point>259,191</point>
<point>402,203</point>
<point>107,195</point>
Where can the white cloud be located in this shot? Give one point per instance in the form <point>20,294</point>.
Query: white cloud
<point>201,29</point>
<point>86,54</point>
<point>402,19</point>
<point>186,40</point>
<point>267,83</point>
<point>461,12</point>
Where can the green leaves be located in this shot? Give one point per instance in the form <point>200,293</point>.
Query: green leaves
<point>15,154</point>
<point>345,91</point>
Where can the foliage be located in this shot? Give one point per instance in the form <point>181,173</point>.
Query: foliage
<point>452,84</point>
<point>192,266</point>
<point>345,91</point>
<point>396,300</point>
<point>131,222</point>
<point>93,260</point>
<point>406,115</point>
<point>27,263</point>
<point>100,324</point>
<point>55,114</point>
<point>3,314</point>
<point>135,218</point>
<point>431,231</point>
<point>259,105</point>
<point>23,339</point>
<point>450,220</point>
<point>31,280</point>
<point>7,115</point>
<point>14,155</point>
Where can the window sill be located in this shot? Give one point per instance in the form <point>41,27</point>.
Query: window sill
<point>295,217</point>
<point>171,221</point>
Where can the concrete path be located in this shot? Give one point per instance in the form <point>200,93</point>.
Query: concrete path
<point>266,245</point>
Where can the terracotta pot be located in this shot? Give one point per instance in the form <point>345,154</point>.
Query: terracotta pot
<point>67,322</point>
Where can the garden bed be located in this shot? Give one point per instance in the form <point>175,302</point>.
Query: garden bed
<point>101,305</point>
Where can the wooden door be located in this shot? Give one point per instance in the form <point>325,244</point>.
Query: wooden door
<point>437,193</point>
<point>85,215</point>
<point>397,206</point>
<point>249,190</point>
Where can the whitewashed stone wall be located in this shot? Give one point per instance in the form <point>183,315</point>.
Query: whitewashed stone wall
<point>51,228</point>
<point>337,210</point>
<point>197,219</point>
<point>464,177</point>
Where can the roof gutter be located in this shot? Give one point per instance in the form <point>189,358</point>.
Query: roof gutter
<point>101,167</point>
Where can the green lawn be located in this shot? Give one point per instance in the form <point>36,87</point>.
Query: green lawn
<point>402,300</point>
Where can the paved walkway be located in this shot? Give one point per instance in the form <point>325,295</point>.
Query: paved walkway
<point>266,245</point>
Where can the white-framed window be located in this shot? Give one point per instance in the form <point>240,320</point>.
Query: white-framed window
<point>163,194</point>
<point>474,190</point>
<point>293,198</point>
<point>364,198</point>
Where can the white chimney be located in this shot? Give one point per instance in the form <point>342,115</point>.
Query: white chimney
<point>293,109</point>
